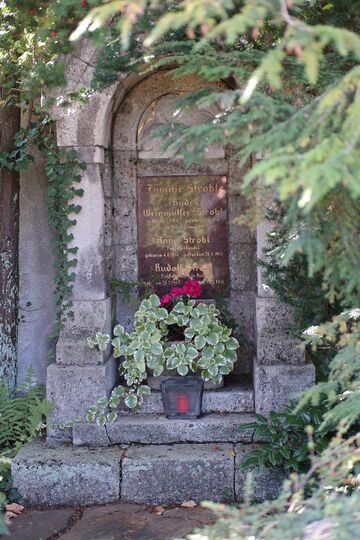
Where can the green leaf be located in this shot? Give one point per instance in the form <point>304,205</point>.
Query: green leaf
<point>212,338</point>
<point>208,352</point>
<point>183,370</point>
<point>111,417</point>
<point>232,344</point>
<point>200,342</point>
<point>119,330</point>
<point>154,300</point>
<point>100,420</point>
<point>189,333</point>
<point>103,402</point>
<point>131,401</point>
<point>213,370</point>
<point>139,357</point>
<point>144,390</point>
<point>157,349</point>
<point>192,353</point>
<point>119,391</point>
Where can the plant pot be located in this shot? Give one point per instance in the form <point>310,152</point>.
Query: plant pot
<point>182,397</point>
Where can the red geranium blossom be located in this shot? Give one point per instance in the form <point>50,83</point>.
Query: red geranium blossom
<point>192,288</point>
<point>177,291</point>
<point>165,299</point>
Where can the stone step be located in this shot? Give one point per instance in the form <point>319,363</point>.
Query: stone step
<point>234,398</point>
<point>157,430</point>
<point>150,474</point>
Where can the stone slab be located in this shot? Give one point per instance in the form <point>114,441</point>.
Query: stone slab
<point>231,399</point>
<point>265,483</point>
<point>36,273</point>
<point>66,475</point>
<point>73,389</point>
<point>134,522</point>
<point>178,473</point>
<point>37,524</point>
<point>156,429</point>
<point>275,344</point>
<point>276,385</point>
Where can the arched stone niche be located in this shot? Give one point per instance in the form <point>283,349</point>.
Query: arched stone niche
<point>105,133</point>
<point>150,103</point>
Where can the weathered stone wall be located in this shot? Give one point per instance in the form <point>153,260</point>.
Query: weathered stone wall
<point>132,158</point>
<point>106,236</point>
<point>36,302</point>
<point>280,368</point>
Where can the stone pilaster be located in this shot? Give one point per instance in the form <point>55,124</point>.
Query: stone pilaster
<point>82,375</point>
<point>280,368</point>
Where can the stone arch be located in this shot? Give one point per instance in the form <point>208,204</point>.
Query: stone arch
<point>151,102</point>
<point>80,376</point>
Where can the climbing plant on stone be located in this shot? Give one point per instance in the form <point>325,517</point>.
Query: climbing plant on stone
<point>33,36</point>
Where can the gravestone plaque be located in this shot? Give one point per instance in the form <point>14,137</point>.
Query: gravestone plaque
<point>183,232</point>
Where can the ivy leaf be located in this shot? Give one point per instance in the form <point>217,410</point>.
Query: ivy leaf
<point>101,420</point>
<point>111,417</point>
<point>119,391</point>
<point>131,401</point>
<point>144,390</point>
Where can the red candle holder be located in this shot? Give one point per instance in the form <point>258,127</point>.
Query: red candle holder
<point>183,403</point>
<point>182,397</point>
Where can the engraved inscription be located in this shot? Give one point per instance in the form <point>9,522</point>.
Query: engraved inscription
<point>183,232</point>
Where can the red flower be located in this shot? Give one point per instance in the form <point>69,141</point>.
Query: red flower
<point>176,291</point>
<point>192,288</point>
<point>165,299</point>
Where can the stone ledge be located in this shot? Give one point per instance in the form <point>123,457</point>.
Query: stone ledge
<point>174,474</point>
<point>148,474</point>
<point>66,475</point>
<point>154,429</point>
<point>230,399</point>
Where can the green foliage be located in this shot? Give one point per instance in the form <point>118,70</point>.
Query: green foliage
<point>316,504</point>
<point>291,282</point>
<point>22,417</point>
<point>207,348</point>
<point>308,134</point>
<point>286,440</point>
<point>342,389</point>
<point>62,170</point>
<point>10,494</point>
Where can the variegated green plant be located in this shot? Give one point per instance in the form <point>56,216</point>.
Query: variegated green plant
<point>208,349</point>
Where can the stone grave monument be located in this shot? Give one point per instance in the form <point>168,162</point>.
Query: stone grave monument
<point>143,215</point>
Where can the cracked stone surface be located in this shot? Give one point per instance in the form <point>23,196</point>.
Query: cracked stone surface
<point>36,524</point>
<point>176,473</point>
<point>66,475</point>
<point>121,521</point>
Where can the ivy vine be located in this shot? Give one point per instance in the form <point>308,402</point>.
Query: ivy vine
<point>62,168</point>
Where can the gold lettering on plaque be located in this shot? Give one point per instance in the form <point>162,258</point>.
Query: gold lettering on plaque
<point>183,231</point>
